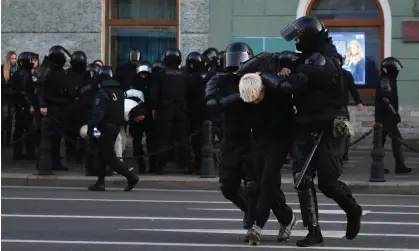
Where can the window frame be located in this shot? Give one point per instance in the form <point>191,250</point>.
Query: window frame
<point>379,23</point>
<point>135,22</point>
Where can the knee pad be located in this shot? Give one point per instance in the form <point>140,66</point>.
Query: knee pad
<point>252,189</point>
<point>333,189</point>
<point>306,182</point>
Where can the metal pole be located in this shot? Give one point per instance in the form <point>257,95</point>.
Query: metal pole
<point>377,154</point>
<point>208,164</point>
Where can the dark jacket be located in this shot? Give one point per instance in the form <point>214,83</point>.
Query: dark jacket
<point>350,88</point>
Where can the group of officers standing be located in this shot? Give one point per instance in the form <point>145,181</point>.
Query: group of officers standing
<point>267,105</point>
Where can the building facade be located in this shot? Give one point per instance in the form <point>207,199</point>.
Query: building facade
<point>107,29</point>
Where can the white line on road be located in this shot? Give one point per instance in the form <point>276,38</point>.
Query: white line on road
<point>321,211</point>
<point>204,245</point>
<point>191,191</point>
<point>296,233</point>
<point>175,201</point>
<point>103,217</point>
<point>297,210</point>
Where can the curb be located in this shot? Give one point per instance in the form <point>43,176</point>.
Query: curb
<point>194,183</point>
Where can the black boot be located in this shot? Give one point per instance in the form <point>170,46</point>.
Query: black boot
<point>142,168</point>
<point>310,215</point>
<point>401,167</point>
<point>132,182</point>
<point>343,197</point>
<point>99,186</point>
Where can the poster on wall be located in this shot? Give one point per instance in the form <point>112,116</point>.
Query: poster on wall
<point>351,45</point>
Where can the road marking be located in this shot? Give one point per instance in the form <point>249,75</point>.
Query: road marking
<point>103,217</point>
<point>192,191</point>
<point>321,211</point>
<point>296,233</point>
<point>204,245</point>
<point>175,201</point>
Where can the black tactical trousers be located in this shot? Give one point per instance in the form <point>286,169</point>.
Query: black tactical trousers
<point>197,142</point>
<point>391,128</point>
<point>169,127</point>
<point>106,156</point>
<point>7,114</point>
<point>263,183</point>
<point>23,133</point>
<point>147,128</point>
<point>327,165</point>
<point>234,159</point>
<point>49,147</point>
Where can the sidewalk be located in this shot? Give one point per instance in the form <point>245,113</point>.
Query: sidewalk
<point>356,175</point>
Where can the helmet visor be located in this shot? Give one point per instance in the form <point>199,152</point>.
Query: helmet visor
<point>291,32</point>
<point>235,59</point>
<point>144,68</point>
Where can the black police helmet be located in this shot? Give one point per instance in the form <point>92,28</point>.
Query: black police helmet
<point>144,67</point>
<point>391,64</point>
<point>157,66</point>
<point>220,59</point>
<point>25,60</point>
<point>172,57</point>
<point>105,72</point>
<point>305,31</point>
<point>194,62</point>
<point>78,57</point>
<point>210,54</point>
<point>236,54</point>
<point>134,55</point>
<point>58,55</point>
<point>93,70</point>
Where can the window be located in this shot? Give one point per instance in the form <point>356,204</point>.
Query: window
<point>356,17</point>
<point>148,25</point>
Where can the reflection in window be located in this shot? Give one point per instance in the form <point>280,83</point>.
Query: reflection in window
<point>372,52</point>
<point>345,9</point>
<point>142,9</point>
<point>151,41</point>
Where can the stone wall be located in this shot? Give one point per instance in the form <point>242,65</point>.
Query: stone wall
<point>194,25</point>
<point>37,25</point>
<point>364,120</point>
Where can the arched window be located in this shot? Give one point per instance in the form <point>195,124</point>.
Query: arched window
<point>357,29</point>
<point>149,25</point>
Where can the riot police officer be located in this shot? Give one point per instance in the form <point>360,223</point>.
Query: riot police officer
<point>143,82</point>
<point>82,108</point>
<point>107,119</point>
<point>126,73</point>
<point>317,90</point>
<point>210,56</point>
<point>74,78</point>
<point>25,105</point>
<point>54,99</point>
<point>387,110</point>
<point>222,94</point>
<point>169,108</point>
<point>195,66</point>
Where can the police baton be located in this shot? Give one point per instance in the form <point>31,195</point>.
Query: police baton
<point>308,160</point>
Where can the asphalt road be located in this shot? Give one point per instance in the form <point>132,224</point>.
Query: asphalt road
<point>47,219</point>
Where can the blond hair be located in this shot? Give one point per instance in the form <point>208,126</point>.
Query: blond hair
<point>7,66</point>
<point>250,87</point>
<point>358,56</point>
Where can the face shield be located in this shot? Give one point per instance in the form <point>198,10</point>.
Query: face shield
<point>233,60</point>
<point>291,32</point>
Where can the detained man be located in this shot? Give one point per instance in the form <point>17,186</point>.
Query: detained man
<point>271,117</point>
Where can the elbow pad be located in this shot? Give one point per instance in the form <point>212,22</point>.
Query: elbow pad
<point>225,101</point>
<point>272,80</point>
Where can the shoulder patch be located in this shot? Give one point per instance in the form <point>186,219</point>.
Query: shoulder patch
<point>97,101</point>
